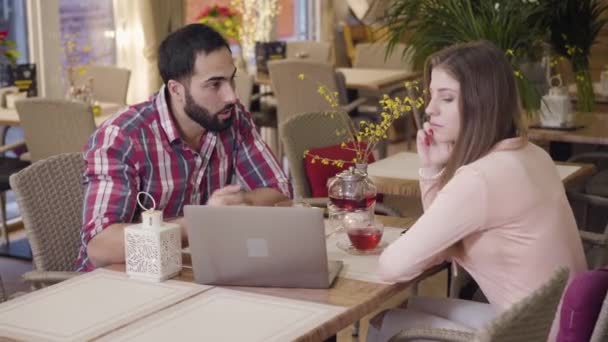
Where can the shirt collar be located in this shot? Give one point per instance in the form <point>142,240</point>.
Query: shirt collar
<point>164,113</point>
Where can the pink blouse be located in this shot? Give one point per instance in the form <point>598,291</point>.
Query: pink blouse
<point>504,218</point>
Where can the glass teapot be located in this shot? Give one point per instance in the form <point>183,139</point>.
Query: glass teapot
<point>351,191</point>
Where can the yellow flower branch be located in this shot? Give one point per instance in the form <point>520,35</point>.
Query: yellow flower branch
<point>366,137</point>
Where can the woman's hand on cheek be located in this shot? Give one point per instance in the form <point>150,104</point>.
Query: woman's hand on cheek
<point>433,154</point>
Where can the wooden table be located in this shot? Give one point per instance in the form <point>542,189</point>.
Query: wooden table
<point>398,174</point>
<point>358,297</point>
<point>594,131</point>
<point>10,117</point>
<point>376,80</point>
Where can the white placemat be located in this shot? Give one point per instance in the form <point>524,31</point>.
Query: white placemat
<point>359,267</point>
<point>229,315</point>
<point>88,306</point>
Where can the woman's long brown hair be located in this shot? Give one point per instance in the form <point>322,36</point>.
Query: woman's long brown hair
<point>489,102</point>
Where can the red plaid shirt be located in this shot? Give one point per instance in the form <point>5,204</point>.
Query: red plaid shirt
<point>140,149</point>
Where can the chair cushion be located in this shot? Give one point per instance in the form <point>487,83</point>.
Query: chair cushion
<point>318,173</point>
<point>8,166</point>
<point>581,305</point>
<point>598,184</point>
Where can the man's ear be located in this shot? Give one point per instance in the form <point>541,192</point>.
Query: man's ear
<point>176,90</point>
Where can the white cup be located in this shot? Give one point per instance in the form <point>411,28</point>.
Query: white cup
<point>11,98</point>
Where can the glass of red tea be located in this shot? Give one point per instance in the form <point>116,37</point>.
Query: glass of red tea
<point>365,235</point>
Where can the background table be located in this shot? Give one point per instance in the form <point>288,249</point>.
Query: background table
<point>398,174</point>
<point>10,117</point>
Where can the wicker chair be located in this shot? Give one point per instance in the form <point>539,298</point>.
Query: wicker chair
<point>295,96</point>
<point>528,320</point>
<point>50,196</point>
<point>54,126</point>
<point>298,137</point>
<point>593,194</point>
<point>2,291</point>
<point>110,83</point>
<point>600,332</point>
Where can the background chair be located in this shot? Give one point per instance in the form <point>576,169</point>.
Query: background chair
<point>528,320</point>
<point>110,83</point>
<point>243,84</point>
<point>309,50</point>
<point>2,291</point>
<point>54,126</point>
<point>593,196</point>
<point>264,117</point>
<point>8,166</point>
<point>354,35</point>
<point>600,331</point>
<point>308,131</point>
<point>373,55</point>
<point>295,95</point>
<point>50,195</point>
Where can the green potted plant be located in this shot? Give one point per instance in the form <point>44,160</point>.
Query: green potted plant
<point>430,25</point>
<point>574,26</point>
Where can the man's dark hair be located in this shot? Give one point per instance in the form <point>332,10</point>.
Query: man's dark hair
<point>177,53</point>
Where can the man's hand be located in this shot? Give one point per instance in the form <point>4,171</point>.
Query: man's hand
<point>228,195</point>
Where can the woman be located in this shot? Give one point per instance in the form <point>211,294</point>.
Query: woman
<point>493,202</point>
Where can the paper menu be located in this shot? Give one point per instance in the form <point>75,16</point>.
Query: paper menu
<point>88,306</point>
<point>228,315</point>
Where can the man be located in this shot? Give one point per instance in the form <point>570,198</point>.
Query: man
<point>191,143</point>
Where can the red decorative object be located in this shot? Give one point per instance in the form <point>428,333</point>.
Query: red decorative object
<point>318,173</point>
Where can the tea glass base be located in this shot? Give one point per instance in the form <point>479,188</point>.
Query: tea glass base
<point>346,246</point>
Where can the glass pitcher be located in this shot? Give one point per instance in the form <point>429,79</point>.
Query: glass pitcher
<point>351,192</point>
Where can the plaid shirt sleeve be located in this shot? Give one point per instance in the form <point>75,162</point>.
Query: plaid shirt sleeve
<point>255,165</point>
<point>110,181</point>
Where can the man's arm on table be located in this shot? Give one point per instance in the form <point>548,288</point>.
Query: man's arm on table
<point>108,247</point>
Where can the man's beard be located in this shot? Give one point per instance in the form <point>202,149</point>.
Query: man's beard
<point>203,117</point>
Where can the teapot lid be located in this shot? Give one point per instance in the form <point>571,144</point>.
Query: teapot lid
<point>351,174</point>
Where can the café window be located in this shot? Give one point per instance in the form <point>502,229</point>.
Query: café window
<point>87,32</point>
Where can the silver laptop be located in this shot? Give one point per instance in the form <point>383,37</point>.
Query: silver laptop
<point>259,246</point>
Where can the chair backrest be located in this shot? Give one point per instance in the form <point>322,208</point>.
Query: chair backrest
<point>110,83</point>
<point>600,332</point>
<point>581,306</point>
<point>356,34</point>
<point>295,95</point>
<point>373,55</point>
<point>531,318</point>
<point>50,198</point>
<point>309,50</point>
<point>54,126</point>
<point>244,87</point>
<point>308,131</point>
<point>2,291</point>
